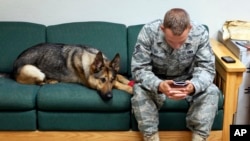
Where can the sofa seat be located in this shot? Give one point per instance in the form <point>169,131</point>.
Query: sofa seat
<point>67,106</point>
<point>17,105</point>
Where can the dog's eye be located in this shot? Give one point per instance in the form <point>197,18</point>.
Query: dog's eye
<point>103,80</point>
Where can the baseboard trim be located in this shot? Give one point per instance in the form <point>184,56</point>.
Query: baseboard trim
<point>97,136</point>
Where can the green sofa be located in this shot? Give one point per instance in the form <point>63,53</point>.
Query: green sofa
<point>73,107</point>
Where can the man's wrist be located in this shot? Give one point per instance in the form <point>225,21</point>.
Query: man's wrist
<point>159,88</point>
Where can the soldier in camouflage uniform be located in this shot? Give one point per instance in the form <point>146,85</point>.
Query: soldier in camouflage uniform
<point>175,49</point>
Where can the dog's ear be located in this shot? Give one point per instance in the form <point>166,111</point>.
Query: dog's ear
<point>115,63</point>
<point>98,62</point>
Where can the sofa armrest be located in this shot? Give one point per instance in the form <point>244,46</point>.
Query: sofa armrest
<point>228,79</point>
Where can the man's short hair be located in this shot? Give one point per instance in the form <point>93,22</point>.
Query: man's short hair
<point>177,20</point>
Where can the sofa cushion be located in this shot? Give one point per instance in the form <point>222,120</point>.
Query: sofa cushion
<point>133,32</point>
<point>110,38</point>
<point>17,97</point>
<point>75,97</point>
<point>69,106</point>
<point>176,120</point>
<point>16,37</point>
<point>18,120</point>
<point>75,120</point>
<point>17,105</point>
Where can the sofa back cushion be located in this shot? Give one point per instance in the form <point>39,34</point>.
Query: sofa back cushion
<point>110,38</point>
<point>133,32</point>
<point>16,37</point>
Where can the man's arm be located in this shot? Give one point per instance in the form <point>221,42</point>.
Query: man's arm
<point>204,70</point>
<point>141,66</point>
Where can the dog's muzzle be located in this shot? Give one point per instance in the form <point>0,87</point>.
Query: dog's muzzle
<point>107,96</point>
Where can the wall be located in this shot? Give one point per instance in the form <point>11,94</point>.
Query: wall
<point>129,12</point>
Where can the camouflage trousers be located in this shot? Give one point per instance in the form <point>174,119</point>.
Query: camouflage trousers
<point>199,118</point>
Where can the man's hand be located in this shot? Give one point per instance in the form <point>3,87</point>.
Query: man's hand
<point>175,92</point>
<point>189,87</point>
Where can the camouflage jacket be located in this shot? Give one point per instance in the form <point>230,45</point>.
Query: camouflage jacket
<point>153,60</point>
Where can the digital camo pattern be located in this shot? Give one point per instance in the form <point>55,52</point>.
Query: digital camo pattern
<point>154,60</point>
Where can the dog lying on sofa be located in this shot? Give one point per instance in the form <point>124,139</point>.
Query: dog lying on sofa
<point>52,63</point>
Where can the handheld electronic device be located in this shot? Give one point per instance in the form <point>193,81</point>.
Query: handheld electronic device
<point>180,84</point>
<point>228,59</point>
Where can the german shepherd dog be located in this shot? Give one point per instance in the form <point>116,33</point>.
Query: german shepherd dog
<point>52,63</point>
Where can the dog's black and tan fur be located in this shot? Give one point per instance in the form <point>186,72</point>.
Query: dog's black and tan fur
<point>52,63</point>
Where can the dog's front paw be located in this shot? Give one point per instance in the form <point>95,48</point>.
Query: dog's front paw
<point>130,90</point>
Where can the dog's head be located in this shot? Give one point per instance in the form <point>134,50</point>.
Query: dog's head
<point>103,75</point>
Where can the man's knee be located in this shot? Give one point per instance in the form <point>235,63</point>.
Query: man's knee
<point>202,111</point>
